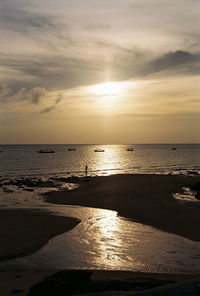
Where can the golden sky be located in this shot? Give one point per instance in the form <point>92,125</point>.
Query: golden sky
<point>108,71</point>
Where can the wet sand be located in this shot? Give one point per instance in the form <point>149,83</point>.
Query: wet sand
<point>144,198</point>
<point>147,199</point>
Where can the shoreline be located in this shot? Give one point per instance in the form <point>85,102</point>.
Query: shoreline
<point>24,231</point>
<point>147,199</point>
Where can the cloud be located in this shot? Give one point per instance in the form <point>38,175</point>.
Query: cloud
<point>4,90</point>
<point>51,71</point>
<point>98,27</point>
<point>31,100</point>
<point>172,60</point>
<point>50,108</point>
<point>24,20</point>
<point>144,64</point>
<point>66,45</point>
<point>34,95</point>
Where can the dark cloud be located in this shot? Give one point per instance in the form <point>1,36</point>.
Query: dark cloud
<point>175,59</point>
<point>52,72</point>
<point>134,65</point>
<point>50,108</point>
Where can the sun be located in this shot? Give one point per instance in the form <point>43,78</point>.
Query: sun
<point>108,96</point>
<point>107,89</point>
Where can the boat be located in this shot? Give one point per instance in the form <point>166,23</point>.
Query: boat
<point>46,151</point>
<point>71,149</point>
<point>174,148</point>
<point>130,149</point>
<point>99,150</point>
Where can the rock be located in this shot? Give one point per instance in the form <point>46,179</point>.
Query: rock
<point>195,186</point>
<point>28,189</point>
<point>197,195</point>
<point>79,282</point>
<point>60,283</point>
<point>192,173</point>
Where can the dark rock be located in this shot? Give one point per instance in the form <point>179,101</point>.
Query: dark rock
<point>197,195</point>
<point>195,186</point>
<point>16,291</point>
<point>60,179</point>
<point>79,282</point>
<point>192,173</point>
<point>60,283</point>
<point>28,189</point>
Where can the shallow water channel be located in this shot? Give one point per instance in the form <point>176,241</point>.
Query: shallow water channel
<point>104,240</point>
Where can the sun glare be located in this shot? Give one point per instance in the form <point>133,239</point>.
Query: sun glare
<point>108,89</point>
<point>108,95</point>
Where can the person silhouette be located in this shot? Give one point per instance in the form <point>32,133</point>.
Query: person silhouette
<point>86,170</point>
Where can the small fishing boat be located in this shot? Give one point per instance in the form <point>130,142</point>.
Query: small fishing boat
<point>174,148</point>
<point>46,151</point>
<point>99,150</point>
<point>71,149</point>
<point>130,149</point>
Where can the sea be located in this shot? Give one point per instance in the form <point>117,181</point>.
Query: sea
<point>24,160</point>
<point>103,239</point>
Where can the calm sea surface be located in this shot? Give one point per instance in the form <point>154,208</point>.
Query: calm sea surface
<point>16,160</point>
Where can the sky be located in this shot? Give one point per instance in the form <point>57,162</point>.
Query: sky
<point>109,71</point>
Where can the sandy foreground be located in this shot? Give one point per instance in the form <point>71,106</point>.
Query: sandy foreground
<point>144,198</point>
<point>24,231</point>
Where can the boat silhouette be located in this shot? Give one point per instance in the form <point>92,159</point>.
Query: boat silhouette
<point>130,149</point>
<point>46,151</point>
<point>99,150</point>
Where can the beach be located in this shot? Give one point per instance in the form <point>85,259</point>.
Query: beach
<point>144,198</point>
<point>24,231</point>
<point>147,199</point>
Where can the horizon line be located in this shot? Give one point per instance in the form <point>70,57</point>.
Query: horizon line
<point>170,143</point>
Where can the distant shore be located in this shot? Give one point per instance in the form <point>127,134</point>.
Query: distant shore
<point>143,198</point>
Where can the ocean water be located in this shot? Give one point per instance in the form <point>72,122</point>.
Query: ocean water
<point>24,160</point>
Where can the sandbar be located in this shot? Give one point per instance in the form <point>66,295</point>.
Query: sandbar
<point>24,231</point>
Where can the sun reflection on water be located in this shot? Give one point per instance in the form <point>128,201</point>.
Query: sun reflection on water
<point>108,162</point>
<point>107,234</point>
<point>103,240</point>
